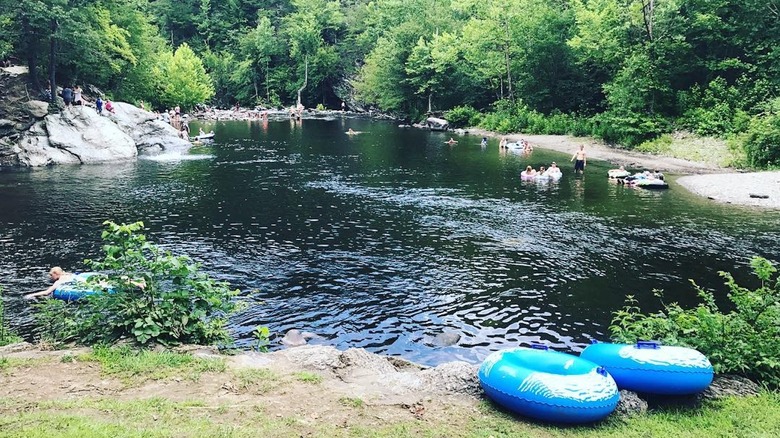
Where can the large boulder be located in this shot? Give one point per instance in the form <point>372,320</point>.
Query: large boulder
<point>151,136</point>
<point>76,136</point>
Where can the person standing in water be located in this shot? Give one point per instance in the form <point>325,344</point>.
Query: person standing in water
<point>582,160</point>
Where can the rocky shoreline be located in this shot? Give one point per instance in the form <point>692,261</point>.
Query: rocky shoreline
<point>33,134</point>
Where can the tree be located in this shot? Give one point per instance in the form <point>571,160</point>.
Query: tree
<point>183,79</point>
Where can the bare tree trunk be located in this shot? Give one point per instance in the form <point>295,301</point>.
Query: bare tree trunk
<point>648,8</point>
<point>32,53</point>
<point>510,94</point>
<point>53,60</point>
<point>267,92</point>
<point>305,78</point>
<point>430,97</point>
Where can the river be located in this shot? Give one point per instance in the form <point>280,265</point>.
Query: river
<point>384,239</point>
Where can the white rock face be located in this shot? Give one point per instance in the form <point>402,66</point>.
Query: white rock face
<point>78,135</point>
<point>151,136</point>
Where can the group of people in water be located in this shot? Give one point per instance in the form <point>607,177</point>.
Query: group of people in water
<point>522,145</point>
<point>553,172</point>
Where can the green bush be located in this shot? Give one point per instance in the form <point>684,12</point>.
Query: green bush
<point>628,129</point>
<point>149,296</point>
<point>762,144</point>
<point>741,341</point>
<point>463,116</point>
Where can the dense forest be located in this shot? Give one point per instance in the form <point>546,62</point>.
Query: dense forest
<point>623,70</point>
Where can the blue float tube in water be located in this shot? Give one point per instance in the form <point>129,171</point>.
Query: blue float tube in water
<point>548,385</point>
<point>652,368</point>
<point>75,288</point>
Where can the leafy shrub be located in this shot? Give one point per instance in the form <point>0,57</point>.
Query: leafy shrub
<point>149,295</point>
<point>741,341</point>
<point>762,145</point>
<point>628,129</point>
<point>462,116</point>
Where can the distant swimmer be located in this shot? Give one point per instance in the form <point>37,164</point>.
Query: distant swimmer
<point>351,132</point>
<point>484,142</point>
<point>451,141</point>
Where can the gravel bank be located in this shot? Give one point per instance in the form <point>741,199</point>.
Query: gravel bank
<point>758,189</point>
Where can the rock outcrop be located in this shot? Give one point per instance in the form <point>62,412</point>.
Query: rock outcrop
<point>32,134</point>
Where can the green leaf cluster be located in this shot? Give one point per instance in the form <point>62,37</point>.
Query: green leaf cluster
<point>148,295</point>
<point>741,340</point>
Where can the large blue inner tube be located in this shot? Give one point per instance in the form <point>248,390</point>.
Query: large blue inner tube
<point>76,288</point>
<point>548,385</point>
<point>652,368</point>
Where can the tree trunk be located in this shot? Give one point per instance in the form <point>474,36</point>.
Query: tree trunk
<point>648,9</point>
<point>430,97</point>
<point>32,53</point>
<point>53,60</point>
<point>267,91</point>
<point>509,92</point>
<point>305,78</point>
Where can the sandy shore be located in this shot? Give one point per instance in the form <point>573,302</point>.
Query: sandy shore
<point>758,189</point>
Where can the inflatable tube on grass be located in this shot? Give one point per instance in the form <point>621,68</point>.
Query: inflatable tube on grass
<point>548,385</point>
<point>651,368</point>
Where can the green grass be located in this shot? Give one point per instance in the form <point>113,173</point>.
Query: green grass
<point>308,377</point>
<point>157,417</point>
<point>136,366</point>
<point>694,148</point>
<point>258,381</point>
<point>352,402</point>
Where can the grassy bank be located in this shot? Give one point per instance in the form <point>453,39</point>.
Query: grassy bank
<point>121,393</point>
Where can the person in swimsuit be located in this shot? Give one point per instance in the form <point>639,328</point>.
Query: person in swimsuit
<point>582,160</point>
<point>59,277</point>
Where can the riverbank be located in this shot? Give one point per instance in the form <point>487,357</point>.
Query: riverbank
<point>304,391</point>
<point>723,185</point>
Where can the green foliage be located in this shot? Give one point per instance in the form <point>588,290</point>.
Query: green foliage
<point>182,79</point>
<point>6,335</point>
<point>262,337</point>
<point>762,143</point>
<point>741,341</point>
<point>150,296</point>
<point>463,116</point>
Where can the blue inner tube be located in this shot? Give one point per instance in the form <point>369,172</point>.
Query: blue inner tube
<point>548,385</point>
<point>76,288</point>
<point>652,368</point>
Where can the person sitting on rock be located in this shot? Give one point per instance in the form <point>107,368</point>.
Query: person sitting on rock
<point>110,106</point>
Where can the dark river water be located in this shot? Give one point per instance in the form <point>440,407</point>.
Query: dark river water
<point>387,238</point>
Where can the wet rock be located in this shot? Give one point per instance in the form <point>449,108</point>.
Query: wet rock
<point>630,404</point>
<point>445,339</point>
<point>758,196</point>
<point>730,385</point>
<point>296,338</point>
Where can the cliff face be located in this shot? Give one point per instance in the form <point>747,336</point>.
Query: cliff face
<point>32,134</point>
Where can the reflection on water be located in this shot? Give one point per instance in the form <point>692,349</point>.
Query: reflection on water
<point>384,239</point>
